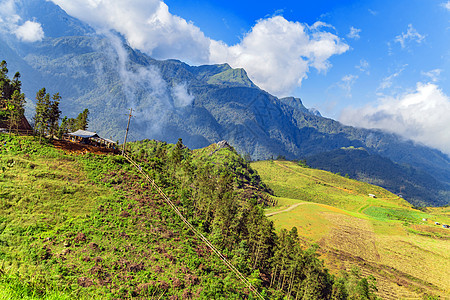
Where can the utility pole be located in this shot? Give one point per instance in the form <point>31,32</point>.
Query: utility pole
<point>126,133</point>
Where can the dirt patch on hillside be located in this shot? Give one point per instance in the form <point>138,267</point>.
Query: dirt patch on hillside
<point>77,148</point>
<point>351,235</point>
<point>353,242</point>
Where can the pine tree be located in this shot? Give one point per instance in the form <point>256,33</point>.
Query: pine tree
<point>41,112</point>
<point>11,99</point>
<point>63,128</point>
<point>15,108</point>
<point>54,114</point>
<point>82,120</point>
<point>47,113</point>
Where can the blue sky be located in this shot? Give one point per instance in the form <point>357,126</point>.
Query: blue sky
<point>374,64</point>
<point>394,76</point>
<point>376,52</point>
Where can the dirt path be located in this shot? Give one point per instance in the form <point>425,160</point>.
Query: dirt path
<point>284,210</point>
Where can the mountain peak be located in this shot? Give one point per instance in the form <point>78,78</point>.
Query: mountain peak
<point>232,77</point>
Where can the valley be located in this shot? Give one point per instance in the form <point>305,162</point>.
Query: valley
<point>383,236</point>
<point>226,187</point>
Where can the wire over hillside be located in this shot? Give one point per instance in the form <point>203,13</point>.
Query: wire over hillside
<point>194,230</point>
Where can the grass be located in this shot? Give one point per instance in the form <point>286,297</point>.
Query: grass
<point>385,236</point>
<point>284,177</point>
<point>86,226</point>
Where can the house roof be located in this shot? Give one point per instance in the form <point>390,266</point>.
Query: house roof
<point>109,141</point>
<point>84,134</point>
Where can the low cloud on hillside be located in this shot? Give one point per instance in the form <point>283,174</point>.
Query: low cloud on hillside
<point>422,115</point>
<point>276,53</point>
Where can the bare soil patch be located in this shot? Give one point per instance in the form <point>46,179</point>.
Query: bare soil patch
<point>77,148</point>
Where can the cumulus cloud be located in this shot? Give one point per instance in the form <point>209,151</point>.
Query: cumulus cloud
<point>146,24</point>
<point>276,53</point>
<point>354,33</point>
<point>410,36</point>
<point>29,32</point>
<point>11,22</point>
<point>422,116</point>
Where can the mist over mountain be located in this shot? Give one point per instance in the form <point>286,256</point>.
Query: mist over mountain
<point>200,104</point>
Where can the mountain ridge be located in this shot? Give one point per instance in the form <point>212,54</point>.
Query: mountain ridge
<point>170,99</point>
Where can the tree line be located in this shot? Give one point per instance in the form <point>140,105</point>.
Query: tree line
<point>46,120</point>
<point>12,100</point>
<point>208,195</point>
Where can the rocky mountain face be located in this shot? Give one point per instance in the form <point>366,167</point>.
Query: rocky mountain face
<point>200,104</point>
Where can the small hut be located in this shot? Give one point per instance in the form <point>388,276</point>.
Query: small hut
<point>91,138</point>
<point>83,136</point>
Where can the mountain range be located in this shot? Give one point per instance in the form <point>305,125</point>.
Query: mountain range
<point>202,105</point>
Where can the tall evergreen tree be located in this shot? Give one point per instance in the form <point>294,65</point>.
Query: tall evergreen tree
<point>15,108</point>
<point>54,114</point>
<point>41,112</point>
<point>11,98</point>
<point>47,113</point>
<point>82,120</point>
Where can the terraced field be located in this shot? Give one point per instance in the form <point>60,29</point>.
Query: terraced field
<point>384,236</point>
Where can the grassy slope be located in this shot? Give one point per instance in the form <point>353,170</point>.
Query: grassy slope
<point>87,227</point>
<point>384,236</point>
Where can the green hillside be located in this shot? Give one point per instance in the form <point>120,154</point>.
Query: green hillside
<point>88,227</point>
<point>200,104</point>
<point>416,186</point>
<point>384,236</point>
<point>77,225</point>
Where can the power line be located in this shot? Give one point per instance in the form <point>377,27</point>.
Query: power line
<point>196,232</point>
<point>126,133</point>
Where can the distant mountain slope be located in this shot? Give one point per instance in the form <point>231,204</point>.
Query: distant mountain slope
<point>414,185</point>
<point>170,99</point>
<point>384,236</point>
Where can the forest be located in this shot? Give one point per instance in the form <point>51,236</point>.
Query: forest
<point>215,188</point>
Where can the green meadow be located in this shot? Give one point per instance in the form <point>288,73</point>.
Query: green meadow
<point>384,236</point>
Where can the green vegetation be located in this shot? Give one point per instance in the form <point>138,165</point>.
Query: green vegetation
<point>398,214</point>
<point>12,101</point>
<point>83,226</point>
<point>231,77</point>
<point>385,236</point>
<point>46,118</point>
<point>416,186</point>
<point>285,178</point>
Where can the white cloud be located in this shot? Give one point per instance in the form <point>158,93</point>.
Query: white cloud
<point>277,54</point>
<point>347,83</point>
<point>181,96</point>
<point>147,26</point>
<point>422,116</point>
<point>410,35</point>
<point>354,33</point>
<point>446,5</point>
<point>433,75</point>
<point>29,32</point>
<point>11,22</point>
<point>363,66</point>
<point>388,80</point>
